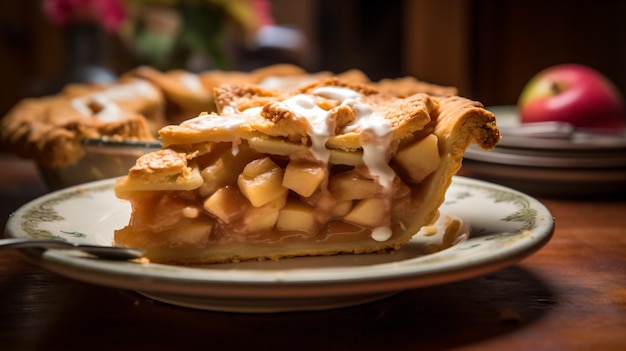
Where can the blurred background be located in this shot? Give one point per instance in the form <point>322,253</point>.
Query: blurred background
<point>488,49</point>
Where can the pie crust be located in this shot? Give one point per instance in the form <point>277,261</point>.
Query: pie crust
<point>330,167</point>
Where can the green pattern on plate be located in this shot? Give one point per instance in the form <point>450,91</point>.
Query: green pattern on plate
<point>45,212</point>
<point>525,215</point>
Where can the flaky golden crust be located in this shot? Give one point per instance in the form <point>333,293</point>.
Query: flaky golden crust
<point>470,119</point>
<point>407,86</point>
<point>240,97</point>
<point>460,123</point>
<point>406,115</point>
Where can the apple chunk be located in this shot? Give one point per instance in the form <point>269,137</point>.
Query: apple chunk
<point>194,233</point>
<point>303,177</point>
<point>340,209</point>
<point>368,212</point>
<point>226,166</point>
<point>419,159</point>
<point>227,204</point>
<point>297,216</point>
<point>258,219</point>
<point>350,185</point>
<point>261,182</point>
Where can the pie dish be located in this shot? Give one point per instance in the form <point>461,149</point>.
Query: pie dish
<point>331,167</point>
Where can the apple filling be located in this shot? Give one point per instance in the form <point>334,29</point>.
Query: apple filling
<point>332,168</point>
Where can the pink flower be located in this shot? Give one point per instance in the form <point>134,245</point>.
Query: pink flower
<point>109,13</point>
<point>262,9</point>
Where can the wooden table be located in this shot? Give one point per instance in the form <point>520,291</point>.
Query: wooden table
<point>571,295</point>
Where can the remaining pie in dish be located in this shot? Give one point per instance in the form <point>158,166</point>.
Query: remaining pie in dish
<point>332,167</point>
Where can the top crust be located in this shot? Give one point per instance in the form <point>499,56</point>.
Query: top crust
<point>162,163</point>
<point>469,119</point>
<point>407,86</point>
<point>277,120</point>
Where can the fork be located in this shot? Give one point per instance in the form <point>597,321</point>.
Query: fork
<point>104,252</point>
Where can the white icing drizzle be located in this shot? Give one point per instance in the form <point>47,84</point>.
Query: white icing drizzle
<point>234,148</point>
<point>192,82</point>
<point>375,158</point>
<point>321,126</point>
<point>106,99</point>
<point>336,93</point>
<point>286,82</point>
<point>129,91</point>
<point>375,129</point>
<point>253,111</point>
<point>211,121</point>
<point>381,233</point>
<point>80,105</point>
<point>110,111</point>
<point>231,109</point>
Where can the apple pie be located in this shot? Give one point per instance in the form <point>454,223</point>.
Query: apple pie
<point>328,168</point>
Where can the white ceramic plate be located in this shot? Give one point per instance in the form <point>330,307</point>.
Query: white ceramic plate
<point>584,165</point>
<point>506,226</point>
<point>508,120</point>
<point>548,160</point>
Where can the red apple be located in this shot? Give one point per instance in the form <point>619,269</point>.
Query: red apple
<point>574,94</point>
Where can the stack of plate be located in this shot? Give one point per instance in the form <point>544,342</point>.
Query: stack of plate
<point>551,159</point>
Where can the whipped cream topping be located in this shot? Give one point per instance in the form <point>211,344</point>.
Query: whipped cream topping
<point>286,82</point>
<point>217,122</point>
<point>212,122</point>
<point>106,99</point>
<point>381,234</point>
<point>131,90</point>
<point>110,111</point>
<point>192,82</point>
<point>375,129</point>
<point>321,126</point>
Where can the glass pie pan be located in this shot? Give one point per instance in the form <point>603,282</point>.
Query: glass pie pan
<point>102,159</point>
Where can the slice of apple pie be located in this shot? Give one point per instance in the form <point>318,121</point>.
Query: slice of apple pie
<point>333,167</point>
